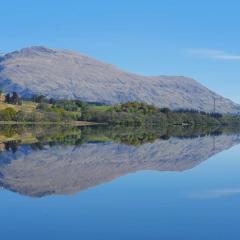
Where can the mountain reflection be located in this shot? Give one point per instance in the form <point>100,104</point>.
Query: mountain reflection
<point>39,161</point>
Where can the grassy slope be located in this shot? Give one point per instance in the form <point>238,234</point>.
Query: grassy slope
<point>29,107</point>
<point>26,106</point>
<point>101,108</point>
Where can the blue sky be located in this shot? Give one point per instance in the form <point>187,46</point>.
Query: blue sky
<point>199,39</point>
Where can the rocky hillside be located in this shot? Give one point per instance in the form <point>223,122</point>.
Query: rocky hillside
<point>66,74</point>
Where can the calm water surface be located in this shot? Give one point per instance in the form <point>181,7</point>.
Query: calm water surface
<point>116,187</point>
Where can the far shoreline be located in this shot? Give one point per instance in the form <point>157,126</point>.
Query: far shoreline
<point>75,123</point>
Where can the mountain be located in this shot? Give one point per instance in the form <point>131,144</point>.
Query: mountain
<point>66,74</point>
<point>64,170</point>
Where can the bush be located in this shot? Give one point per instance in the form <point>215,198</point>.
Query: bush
<point>8,114</point>
<point>43,107</point>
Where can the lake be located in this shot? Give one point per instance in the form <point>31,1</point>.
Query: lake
<point>119,183</point>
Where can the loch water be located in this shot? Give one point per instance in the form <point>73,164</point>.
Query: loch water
<point>119,183</point>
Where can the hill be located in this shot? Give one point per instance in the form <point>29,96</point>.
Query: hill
<point>70,75</point>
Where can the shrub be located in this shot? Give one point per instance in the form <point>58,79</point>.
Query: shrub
<point>8,114</point>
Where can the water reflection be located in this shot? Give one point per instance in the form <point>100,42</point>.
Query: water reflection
<point>39,161</point>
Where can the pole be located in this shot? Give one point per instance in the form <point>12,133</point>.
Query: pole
<point>214,105</point>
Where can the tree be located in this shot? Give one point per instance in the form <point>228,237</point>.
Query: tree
<point>39,98</point>
<point>165,110</point>
<point>51,101</point>
<point>15,99</point>
<point>8,98</point>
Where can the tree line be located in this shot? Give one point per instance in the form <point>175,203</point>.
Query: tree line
<point>13,98</point>
<point>130,113</point>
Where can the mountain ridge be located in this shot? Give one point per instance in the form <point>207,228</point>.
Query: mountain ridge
<point>67,74</point>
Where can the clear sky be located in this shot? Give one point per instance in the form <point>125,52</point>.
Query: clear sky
<point>199,39</point>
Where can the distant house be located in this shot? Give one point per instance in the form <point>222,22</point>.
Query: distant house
<point>2,97</point>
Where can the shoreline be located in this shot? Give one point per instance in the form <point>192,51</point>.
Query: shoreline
<point>76,123</point>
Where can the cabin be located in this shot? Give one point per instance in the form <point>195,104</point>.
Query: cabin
<point>2,97</point>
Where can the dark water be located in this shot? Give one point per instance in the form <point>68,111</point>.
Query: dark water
<point>119,183</point>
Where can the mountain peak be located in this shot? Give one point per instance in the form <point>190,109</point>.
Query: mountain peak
<point>42,49</point>
<point>70,75</point>
<point>37,50</point>
<point>30,51</point>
